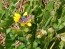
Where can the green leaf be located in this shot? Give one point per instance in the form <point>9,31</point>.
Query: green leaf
<point>21,38</point>
<point>50,5</point>
<point>8,30</point>
<point>1,47</point>
<point>61,45</point>
<point>21,46</point>
<point>35,44</point>
<point>0,5</point>
<point>61,26</point>
<point>37,48</point>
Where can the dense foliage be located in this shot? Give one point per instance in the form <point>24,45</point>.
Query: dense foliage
<point>32,24</point>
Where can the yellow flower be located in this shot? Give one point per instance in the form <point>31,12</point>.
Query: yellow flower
<point>29,24</point>
<point>16,17</point>
<point>25,14</point>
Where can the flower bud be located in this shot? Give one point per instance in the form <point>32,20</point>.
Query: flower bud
<point>51,30</point>
<point>28,36</point>
<point>41,33</point>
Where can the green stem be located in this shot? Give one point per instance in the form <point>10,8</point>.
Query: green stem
<point>52,45</point>
<point>48,22</point>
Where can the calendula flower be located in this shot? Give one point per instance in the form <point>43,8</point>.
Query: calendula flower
<point>16,17</point>
<point>25,14</point>
<point>25,20</point>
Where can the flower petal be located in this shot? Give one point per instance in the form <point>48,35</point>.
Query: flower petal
<point>29,24</point>
<point>22,24</point>
<point>25,14</point>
